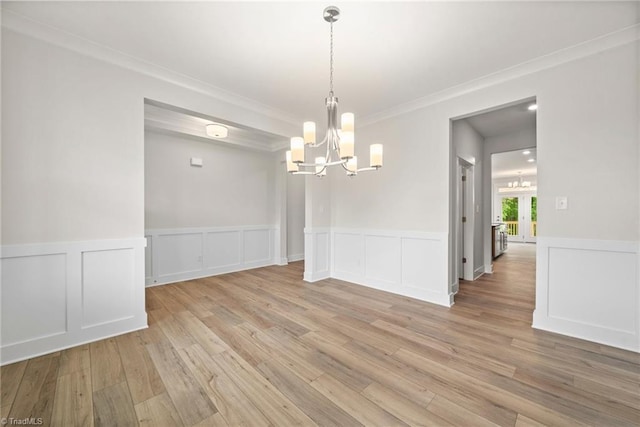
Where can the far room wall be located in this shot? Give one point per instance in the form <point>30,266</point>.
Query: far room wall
<point>204,220</point>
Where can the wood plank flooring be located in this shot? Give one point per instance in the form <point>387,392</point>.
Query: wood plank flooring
<point>264,348</point>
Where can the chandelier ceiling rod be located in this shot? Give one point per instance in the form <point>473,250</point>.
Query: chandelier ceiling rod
<point>340,143</point>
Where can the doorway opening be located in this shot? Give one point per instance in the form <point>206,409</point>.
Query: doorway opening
<point>501,142</point>
<point>519,214</point>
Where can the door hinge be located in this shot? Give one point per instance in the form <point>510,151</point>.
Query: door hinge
<point>464,260</point>
<point>464,219</point>
<point>464,177</point>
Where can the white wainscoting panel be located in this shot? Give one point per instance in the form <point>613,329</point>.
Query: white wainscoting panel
<point>317,244</point>
<point>258,247</point>
<point>179,253</point>
<point>34,289</point>
<point>348,254</point>
<point>59,295</point>
<point>223,249</point>
<point>107,292</point>
<point>589,289</point>
<point>407,263</point>
<point>174,255</point>
<point>383,259</point>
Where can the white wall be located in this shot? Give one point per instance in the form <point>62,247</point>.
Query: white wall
<point>295,217</point>
<point>73,182</point>
<point>587,140</point>
<point>469,145</point>
<point>213,219</point>
<point>233,187</point>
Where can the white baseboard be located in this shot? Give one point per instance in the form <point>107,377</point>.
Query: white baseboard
<point>488,269</point>
<point>478,272</point>
<point>86,291</point>
<point>455,287</point>
<point>295,257</point>
<point>175,255</point>
<point>589,289</point>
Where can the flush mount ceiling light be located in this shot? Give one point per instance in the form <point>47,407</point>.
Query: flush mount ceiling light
<point>340,143</point>
<point>532,107</point>
<point>215,130</point>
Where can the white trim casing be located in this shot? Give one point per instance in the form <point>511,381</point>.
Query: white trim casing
<point>317,246</point>
<point>589,289</point>
<point>409,263</point>
<point>60,295</point>
<point>174,255</point>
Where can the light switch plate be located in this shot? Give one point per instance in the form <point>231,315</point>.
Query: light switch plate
<point>561,203</point>
<point>196,161</point>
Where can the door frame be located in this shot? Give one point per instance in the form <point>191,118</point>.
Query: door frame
<point>464,208</point>
<point>485,183</point>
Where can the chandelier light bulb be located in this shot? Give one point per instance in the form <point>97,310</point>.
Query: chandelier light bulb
<point>375,155</point>
<point>291,167</point>
<point>348,122</point>
<point>297,149</point>
<point>309,132</point>
<point>352,166</point>
<point>347,143</point>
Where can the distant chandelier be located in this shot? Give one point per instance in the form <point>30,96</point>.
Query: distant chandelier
<point>519,183</point>
<point>340,143</point>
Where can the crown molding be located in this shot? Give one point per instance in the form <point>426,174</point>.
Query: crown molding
<point>608,41</point>
<point>20,24</point>
<point>38,30</point>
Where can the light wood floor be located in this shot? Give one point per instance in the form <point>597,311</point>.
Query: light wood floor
<point>262,347</point>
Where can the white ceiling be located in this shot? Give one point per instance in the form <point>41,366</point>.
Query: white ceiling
<point>386,53</point>
<point>504,121</point>
<point>514,163</point>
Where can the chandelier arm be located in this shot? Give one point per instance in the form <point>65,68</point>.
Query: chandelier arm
<point>318,144</point>
<point>334,163</point>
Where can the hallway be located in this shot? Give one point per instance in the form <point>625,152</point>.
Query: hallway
<point>509,293</point>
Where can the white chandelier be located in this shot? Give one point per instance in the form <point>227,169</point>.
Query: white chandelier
<point>340,143</point>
